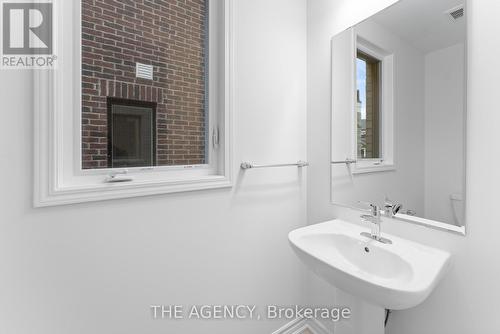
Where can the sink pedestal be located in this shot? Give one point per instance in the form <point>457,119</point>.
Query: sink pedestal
<point>365,318</point>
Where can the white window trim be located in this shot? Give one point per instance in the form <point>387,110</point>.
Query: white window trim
<point>387,161</point>
<point>58,175</point>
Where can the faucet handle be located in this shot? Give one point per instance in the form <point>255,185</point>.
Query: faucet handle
<point>391,207</point>
<point>374,209</point>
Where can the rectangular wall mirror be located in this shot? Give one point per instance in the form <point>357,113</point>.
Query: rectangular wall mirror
<point>399,84</point>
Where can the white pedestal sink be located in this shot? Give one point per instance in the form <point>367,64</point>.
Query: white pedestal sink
<point>393,276</point>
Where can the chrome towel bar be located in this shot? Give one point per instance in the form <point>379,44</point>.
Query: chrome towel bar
<point>249,165</point>
<point>346,161</point>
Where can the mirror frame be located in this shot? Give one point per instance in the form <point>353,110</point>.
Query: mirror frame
<point>429,223</point>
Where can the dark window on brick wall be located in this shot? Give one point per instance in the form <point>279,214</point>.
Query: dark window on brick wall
<point>171,36</point>
<point>131,133</point>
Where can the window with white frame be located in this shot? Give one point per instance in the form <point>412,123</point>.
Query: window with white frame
<point>373,142</point>
<point>140,103</point>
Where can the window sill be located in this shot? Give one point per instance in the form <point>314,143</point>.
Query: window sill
<point>366,169</point>
<point>93,192</point>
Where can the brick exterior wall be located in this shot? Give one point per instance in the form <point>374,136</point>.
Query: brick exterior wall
<point>168,34</point>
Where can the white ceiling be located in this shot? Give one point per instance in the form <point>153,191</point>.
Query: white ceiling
<point>423,23</point>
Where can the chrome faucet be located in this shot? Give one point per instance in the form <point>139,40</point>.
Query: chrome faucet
<point>391,208</point>
<point>374,220</point>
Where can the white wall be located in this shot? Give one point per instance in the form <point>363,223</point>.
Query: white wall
<point>444,134</point>
<point>466,301</point>
<point>96,268</point>
<point>405,184</point>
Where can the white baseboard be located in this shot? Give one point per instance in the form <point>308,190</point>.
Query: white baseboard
<point>316,327</point>
<point>293,327</point>
<point>298,326</point>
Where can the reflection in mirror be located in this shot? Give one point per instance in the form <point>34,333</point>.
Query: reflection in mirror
<point>367,105</point>
<point>398,112</point>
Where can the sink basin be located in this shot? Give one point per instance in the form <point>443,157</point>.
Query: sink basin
<point>396,276</point>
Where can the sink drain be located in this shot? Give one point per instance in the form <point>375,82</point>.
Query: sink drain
<point>367,249</point>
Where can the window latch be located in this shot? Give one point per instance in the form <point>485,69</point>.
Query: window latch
<point>215,138</point>
<point>118,177</point>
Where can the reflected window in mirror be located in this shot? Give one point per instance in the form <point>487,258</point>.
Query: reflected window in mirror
<point>368,106</point>
<point>372,121</point>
